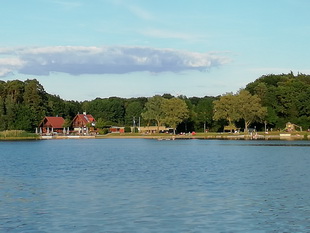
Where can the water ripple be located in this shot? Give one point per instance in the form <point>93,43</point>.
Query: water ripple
<point>154,186</point>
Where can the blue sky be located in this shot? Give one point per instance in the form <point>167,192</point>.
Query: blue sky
<point>81,50</point>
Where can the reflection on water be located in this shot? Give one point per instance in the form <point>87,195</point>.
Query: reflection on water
<point>138,185</point>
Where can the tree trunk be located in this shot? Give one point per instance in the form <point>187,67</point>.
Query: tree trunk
<point>174,131</point>
<point>246,125</point>
<point>229,120</point>
<point>158,123</point>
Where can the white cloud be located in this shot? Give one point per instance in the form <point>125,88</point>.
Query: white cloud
<point>11,61</point>
<point>5,72</point>
<point>9,64</point>
<point>77,60</point>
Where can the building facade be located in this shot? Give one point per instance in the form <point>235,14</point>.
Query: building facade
<point>51,125</point>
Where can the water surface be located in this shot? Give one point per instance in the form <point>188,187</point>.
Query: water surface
<point>143,185</point>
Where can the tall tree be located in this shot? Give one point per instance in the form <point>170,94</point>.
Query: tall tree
<point>154,110</point>
<point>175,111</point>
<point>133,110</point>
<point>188,124</point>
<point>15,90</point>
<point>34,97</point>
<point>249,108</point>
<point>204,111</point>
<point>109,109</point>
<point>286,96</point>
<point>11,109</point>
<point>115,110</point>
<point>25,118</point>
<point>3,120</point>
<point>226,108</point>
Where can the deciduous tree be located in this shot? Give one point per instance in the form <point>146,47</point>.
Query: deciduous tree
<point>249,108</point>
<point>226,108</point>
<point>154,110</point>
<point>133,110</point>
<point>175,111</point>
<point>204,111</point>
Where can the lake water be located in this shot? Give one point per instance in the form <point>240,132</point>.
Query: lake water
<point>144,185</point>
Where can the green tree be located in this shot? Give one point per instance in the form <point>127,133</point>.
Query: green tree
<point>204,112</point>
<point>111,109</point>
<point>15,91</point>
<point>167,96</point>
<point>11,109</point>
<point>67,123</point>
<point>175,111</point>
<point>96,107</point>
<point>100,123</point>
<point>55,106</point>
<point>188,124</point>
<point>133,110</point>
<point>249,108</point>
<point>154,110</point>
<point>226,108</point>
<point>286,96</point>
<point>3,120</point>
<point>25,119</point>
<point>115,110</point>
<point>71,108</point>
<point>34,98</point>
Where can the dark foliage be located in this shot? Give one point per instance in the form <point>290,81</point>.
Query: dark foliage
<point>24,104</point>
<point>287,98</point>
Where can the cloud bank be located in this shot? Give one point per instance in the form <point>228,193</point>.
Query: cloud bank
<point>78,60</point>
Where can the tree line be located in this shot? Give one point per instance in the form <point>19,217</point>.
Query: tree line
<point>270,101</point>
<point>24,104</point>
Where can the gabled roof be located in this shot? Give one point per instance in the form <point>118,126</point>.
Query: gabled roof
<point>85,118</point>
<point>54,122</point>
<point>89,118</point>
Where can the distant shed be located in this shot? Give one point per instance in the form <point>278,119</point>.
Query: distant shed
<point>116,129</point>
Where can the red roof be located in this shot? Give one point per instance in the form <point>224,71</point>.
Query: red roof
<point>52,122</point>
<point>82,120</point>
<point>86,118</point>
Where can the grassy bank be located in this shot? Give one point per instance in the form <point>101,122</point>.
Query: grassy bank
<point>17,135</point>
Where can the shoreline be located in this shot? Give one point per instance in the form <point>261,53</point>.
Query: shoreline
<point>188,137</point>
<point>206,136</point>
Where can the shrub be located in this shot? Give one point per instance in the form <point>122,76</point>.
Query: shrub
<point>103,131</point>
<point>127,129</point>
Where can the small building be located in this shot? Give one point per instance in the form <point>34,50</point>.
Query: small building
<point>154,129</point>
<point>116,129</point>
<point>51,124</point>
<point>83,121</point>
